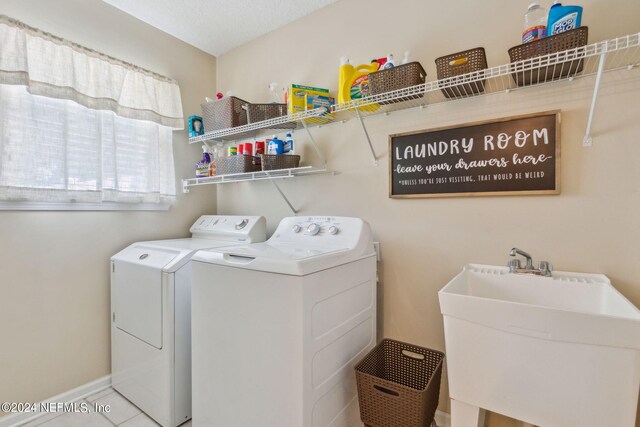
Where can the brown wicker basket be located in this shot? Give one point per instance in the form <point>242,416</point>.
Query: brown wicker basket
<point>458,64</point>
<point>261,112</point>
<point>399,385</point>
<point>564,41</point>
<point>395,78</point>
<point>237,164</point>
<point>279,161</point>
<point>223,113</point>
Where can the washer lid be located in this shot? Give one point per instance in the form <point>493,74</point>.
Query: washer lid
<point>299,246</point>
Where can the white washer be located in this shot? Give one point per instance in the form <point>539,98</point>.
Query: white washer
<point>151,314</point>
<point>277,327</point>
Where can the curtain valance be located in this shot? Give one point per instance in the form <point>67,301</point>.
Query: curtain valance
<point>57,68</point>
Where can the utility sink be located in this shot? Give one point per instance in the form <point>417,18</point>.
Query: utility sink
<point>557,351</point>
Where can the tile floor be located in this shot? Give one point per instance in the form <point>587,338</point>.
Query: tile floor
<point>123,413</point>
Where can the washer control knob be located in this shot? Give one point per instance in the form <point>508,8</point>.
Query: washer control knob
<point>333,229</point>
<point>296,228</point>
<point>313,229</point>
<point>241,224</point>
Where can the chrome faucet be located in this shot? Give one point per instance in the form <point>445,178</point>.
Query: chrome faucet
<point>544,267</point>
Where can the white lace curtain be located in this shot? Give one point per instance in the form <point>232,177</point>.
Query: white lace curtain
<point>79,126</point>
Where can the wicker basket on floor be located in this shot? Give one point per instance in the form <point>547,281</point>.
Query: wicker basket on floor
<point>461,64</point>
<point>399,385</point>
<point>560,42</point>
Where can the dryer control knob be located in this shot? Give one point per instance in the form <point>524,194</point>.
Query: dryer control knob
<point>313,229</point>
<point>241,224</point>
<point>333,229</point>
<point>296,228</point>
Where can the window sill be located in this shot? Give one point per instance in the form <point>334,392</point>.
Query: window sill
<point>71,206</point>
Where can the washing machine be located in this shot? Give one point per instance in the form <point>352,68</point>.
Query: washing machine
<point>277,327</point>
<point>151,314</point>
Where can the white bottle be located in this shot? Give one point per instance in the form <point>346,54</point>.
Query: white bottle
<point>288,144</point>
<point>390,62</point>
<point>407,58</point>
<point>535,23</point>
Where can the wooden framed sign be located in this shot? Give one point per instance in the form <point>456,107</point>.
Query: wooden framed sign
<point>510,156</point>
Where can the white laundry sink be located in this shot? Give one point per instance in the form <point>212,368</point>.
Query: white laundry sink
<point>552,351</point>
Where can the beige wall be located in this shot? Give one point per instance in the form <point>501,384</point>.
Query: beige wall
<point>591,227</point>
<point>54,268</point>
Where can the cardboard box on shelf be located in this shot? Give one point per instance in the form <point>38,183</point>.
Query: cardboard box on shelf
<point>304,98</point>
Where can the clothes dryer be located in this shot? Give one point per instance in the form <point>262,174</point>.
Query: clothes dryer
<point>151,314</point>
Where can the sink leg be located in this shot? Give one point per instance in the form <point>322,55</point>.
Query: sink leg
<point>466,415</point>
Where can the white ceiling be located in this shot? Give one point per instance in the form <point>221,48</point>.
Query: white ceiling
<point>217,26</point>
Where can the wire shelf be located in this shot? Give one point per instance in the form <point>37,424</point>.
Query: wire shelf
<point>252,130</point>
<point>255,176</point>
<point>621,53</point>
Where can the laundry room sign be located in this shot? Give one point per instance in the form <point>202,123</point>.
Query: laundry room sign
<point>510,156</point>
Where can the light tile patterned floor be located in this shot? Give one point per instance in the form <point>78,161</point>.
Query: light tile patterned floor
<point>122,413</point>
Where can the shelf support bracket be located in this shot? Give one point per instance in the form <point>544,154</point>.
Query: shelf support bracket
<point>315,146</point>
<point>294,210</point>
<point>587,141</point>
<point>366,134</point>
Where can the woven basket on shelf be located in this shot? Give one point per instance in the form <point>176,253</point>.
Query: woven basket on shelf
<point>262,112</point>
<point>560,42</point>
<point>395,78</point>
<point>223,114</point>
<point>279,161</point>
<point>240,163</point>
<point>399,385</point>
<point>461,64</point>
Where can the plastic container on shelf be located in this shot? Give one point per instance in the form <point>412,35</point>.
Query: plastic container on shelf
<point>261,112</point>
<point>279,161</point>
<point>564,41</point>
<point>223,113</point>
<point>202,167</point>
<point>353,82</point>
<point>238,164</point>
<point>461,64</point>
<point>395,78</point>
<point>535,23</point>
<point>563,18</point>
<point>289,145</point>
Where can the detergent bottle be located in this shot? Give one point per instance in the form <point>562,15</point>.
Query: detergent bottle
<point>353,82</point>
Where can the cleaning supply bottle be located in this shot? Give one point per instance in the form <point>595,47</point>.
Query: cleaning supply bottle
<point>276,146</point>
<point>389,63</point>
<point>344,80</point>
<point>288,145</point>
<point>407,58</point>
<point>202,167</point>
<point>535,23</point>
<point>563,18</point>
<point>353,82</point>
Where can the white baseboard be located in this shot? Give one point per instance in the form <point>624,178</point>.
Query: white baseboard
<point>14,420</point>
<point>442,419</point>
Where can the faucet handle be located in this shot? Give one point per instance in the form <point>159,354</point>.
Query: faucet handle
<point>545,266</point>
<point>514,264</point>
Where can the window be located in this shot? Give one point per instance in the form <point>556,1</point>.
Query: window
<point>78,126</point>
